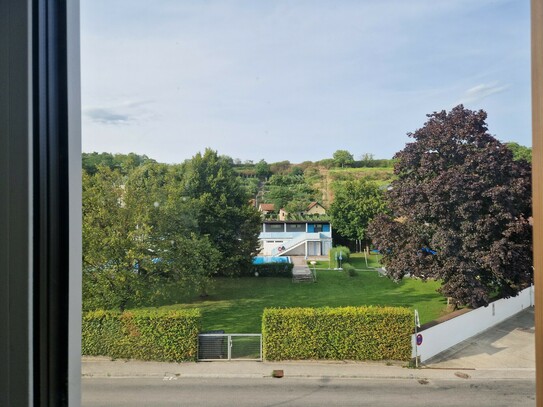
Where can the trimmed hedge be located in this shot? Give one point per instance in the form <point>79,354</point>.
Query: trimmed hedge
<point>271,270</point>
<point>349,269</point>
<point>146,335</point>
<point>350,333</point>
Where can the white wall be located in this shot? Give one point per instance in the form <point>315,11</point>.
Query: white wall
<point>268,246</point>
<point>449,333</point>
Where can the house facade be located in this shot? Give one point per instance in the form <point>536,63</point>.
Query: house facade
<point>295,238</point>
<point>315,208</point>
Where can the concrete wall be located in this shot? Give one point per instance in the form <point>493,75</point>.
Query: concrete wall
<point>449,333</point>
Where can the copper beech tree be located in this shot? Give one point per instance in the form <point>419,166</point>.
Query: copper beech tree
<point>460,211</point>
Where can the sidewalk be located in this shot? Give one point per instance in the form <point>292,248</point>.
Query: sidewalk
<point>93,367</point>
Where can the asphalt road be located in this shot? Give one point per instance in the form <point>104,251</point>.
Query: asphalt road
<point>167,392</point>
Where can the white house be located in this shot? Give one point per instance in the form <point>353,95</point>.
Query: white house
<point>295,238</point>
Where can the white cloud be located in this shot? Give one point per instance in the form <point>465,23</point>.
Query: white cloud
<point>120,113</point>
<point>107,116</point>
<point>480,92</point>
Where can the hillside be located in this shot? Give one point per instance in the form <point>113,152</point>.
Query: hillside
<point>306,182</point>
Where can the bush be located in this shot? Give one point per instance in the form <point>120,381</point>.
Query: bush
<point>345,254</point>
<point>349,269</point>
<point>146,335</point>
<point>271,270</point>
<point>350,333</point>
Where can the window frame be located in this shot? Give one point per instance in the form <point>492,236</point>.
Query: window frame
<point>40,203</point>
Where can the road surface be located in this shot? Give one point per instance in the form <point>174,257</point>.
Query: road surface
<point>241,392</point>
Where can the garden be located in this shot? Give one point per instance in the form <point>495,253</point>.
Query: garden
<point>235,305</point>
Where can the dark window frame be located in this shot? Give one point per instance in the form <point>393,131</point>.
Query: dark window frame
<point>40,203</point>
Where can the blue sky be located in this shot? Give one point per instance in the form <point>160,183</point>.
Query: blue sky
<point>296,80</point>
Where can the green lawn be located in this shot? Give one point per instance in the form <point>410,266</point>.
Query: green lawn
<point>236,304</point>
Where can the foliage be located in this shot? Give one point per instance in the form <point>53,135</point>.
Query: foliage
<point>461,207</point>
<point>349,269</point>
<point>350,333</point>
<point>224,214</point>
<point>343,158</point>
<point>338,251</point>
<point>271,270</point>
<point>262,169</point>
<point>111,243</point>
<point>170,336</point>
<point>520,152</point>
<point>161,225</point>
<point>297,171</point>
<point>355,204</point>
<point>280,167</point>
<point>123,162</point>
<point>291,191</point>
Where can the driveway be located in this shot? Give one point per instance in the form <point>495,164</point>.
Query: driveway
<point>509,345</point>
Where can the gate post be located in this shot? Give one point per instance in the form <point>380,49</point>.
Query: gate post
<point>229,347</point>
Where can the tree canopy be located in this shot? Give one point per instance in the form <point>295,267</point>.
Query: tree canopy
<point>153,225</point>
<point>262,169</point>
<point>461,208</point>
<point>355,204</point>
<point>343,158</point>
<point>520,152</point>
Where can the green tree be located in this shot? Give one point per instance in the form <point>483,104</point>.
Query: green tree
<point>520,152</point>
<point>123,162</point>
<point>262,169</point>
<point>366,160</point>
<point>461,206</point>
<point>224,214</point>
<point>355,204</point>
<point>110,244</point>
<point>343,158</point>
<point>140,234</point>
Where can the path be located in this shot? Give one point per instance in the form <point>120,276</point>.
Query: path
<point>301,271</point>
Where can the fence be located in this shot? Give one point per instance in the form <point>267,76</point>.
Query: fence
<point>220,346</point>
<point>449,333</point>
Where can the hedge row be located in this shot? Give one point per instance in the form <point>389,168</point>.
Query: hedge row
<point>146,335</point>
<point>271,270</point>
<point>350,333</point>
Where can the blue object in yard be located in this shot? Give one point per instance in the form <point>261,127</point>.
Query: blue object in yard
<point>375,251</point>
<point>427,250</point>
<point>270,259</point>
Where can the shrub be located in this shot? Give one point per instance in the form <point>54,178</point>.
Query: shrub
<point>271,270</point>
<point>349,269</point>
<point>147,335</point>
<point>345,254</point>
<point>350,333</point>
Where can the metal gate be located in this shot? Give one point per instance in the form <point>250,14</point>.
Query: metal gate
<point>220,346</point>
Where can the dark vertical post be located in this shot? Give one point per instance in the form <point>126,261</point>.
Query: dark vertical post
<point>537,170</point>
<point>16,378</point>
<point>56,203</point>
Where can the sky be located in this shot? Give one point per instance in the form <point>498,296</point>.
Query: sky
<point>296,80</point>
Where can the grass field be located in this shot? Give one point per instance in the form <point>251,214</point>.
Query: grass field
<point>236,304</point>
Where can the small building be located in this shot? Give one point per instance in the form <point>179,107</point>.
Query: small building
<point>266,208</point>
<point>315,208</point>
<point>296,238</point>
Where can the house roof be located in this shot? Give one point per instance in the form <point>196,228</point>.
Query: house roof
<point>266,207</point>
<point>312,204</point>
